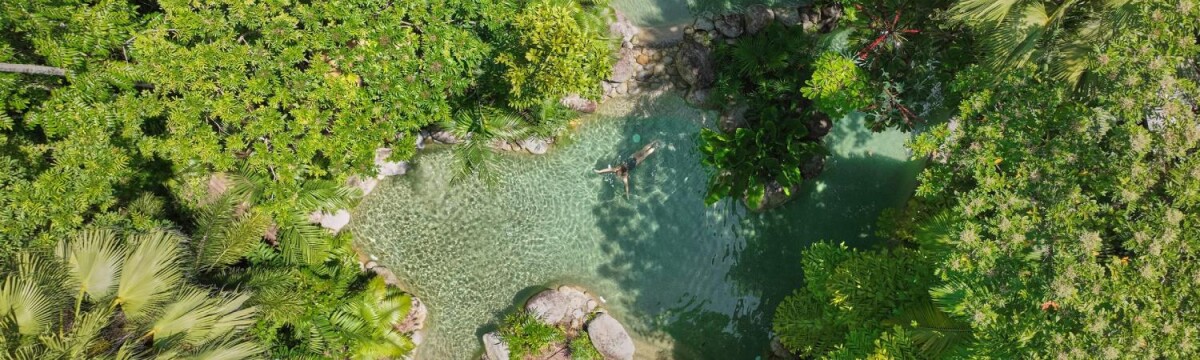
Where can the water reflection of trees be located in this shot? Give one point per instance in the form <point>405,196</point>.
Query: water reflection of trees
<point>652,240</point>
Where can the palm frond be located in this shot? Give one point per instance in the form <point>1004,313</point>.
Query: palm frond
<point>223,237</point>
<point>150,272</point>
<point>982,10</point>
<point>301,242</point>
<point>94,258</point>
<point>933,331</point>
<point>27,305</point>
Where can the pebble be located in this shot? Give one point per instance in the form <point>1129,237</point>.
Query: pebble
<point>667,60</point>
<point>642,59</point>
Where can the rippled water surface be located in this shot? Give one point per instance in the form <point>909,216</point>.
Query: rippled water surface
<point>689,281</point>
<point>656,13</point>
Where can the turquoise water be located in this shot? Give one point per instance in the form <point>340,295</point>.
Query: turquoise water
<point>657,13</point>
<point>688,281</point>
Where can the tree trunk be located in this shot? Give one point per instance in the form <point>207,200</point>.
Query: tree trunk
<point>32,69</point>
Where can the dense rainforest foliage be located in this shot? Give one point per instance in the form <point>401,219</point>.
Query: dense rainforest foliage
<point>1056,216</point>
<point>159,162</point>
<point>168,155</point>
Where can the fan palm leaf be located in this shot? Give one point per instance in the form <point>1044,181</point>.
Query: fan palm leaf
<point>27,305</point>
<point>151,271</point>
<point>94,259</point>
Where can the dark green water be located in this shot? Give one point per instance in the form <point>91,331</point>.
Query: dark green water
<point>688,281</point>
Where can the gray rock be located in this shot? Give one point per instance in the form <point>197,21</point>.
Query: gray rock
<point>774,196</point>
<point>730,25</point>
<point>563,306</point>
<point>444,137</point>
<point>494,347</point>
<point>610,338</point>
<point>829,17</point>
<point>813,167</point>
<point>578,103</point>
<point>809,19</point>
<point>787,16</point>
<point>333,222</point>
<point>734,118</point>
<point>622,88</point>
<point>386,168</point>
<point>365,184</point>
<point>535,146</point>
<point>757,18</point>
<point>623,29</point>
<point>703,23</point>
<point>667,60</point>
<point>694,64</point>
<point>818,126</point>
<point>781,352</point>
<point>697,97</point>
<point>625,66</point>
<point>415,319</point>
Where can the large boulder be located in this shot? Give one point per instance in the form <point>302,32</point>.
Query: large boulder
<point>787,16</point>
<point>367,185</point>
<point>610,338</point>
<point>494,347</point>
<point>333,222</point>
<point>774,196</point>
<point>830,16</point>
<point>578,103</point>
<point>623,29</point>
<point>625,67</point>
<point>734,118</point>
<point>565,306</point>
<point>694,65</point>
<point>535,146</point>
<point>818,126</point>
<point>757,18</point>
<point>813,167</point>
<point>730,25</point>
<point>386,167</point>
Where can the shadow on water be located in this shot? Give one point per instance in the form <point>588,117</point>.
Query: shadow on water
<point>709,278</point>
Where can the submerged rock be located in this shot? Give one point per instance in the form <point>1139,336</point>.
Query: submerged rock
<point>813,167</point>
<point>494,347</point>
<point>774,196</point>
<point>610,338</point>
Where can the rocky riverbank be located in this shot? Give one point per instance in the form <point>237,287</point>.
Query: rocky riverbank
<point>577,313</point>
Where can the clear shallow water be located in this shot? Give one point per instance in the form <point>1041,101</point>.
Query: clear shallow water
<point>688,281</point>
<point>656,13</point>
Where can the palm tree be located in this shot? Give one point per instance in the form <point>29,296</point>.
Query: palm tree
<point>103,296</point>
<point>1062,34</point>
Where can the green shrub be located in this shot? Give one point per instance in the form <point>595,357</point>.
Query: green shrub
<point>838,86</point>
<point>582,348</point>
<point>526,335</point>
<point>560,48</point>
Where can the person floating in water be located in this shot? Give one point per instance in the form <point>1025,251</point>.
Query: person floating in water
<point>622,171</point>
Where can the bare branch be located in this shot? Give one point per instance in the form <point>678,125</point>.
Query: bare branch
<point>32,69</point>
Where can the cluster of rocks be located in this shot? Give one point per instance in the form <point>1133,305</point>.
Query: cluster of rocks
<point>413,323</point>
<point>685,63</point>
<point>576,311</point>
